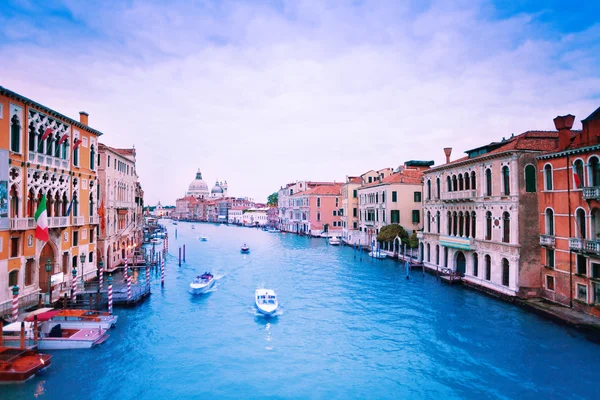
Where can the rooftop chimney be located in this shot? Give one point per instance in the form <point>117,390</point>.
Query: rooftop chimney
<point>447,152</point>
<point>563,125</point>
<point>83,117</point>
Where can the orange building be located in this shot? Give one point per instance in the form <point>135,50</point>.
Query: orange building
<point>43,152</point>
<point>569,206</point>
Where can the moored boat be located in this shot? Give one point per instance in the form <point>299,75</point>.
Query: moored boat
<point>266,301</point>
<point>18,365</point>
<point>202,283</point>
<point>377,255</point>
<point>334,241</point>
<point>53,337</point>
<point>77,319</point>
<point>245,248</point>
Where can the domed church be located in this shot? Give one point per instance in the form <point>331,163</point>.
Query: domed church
<point>198,188</point>
<point>219,190</point>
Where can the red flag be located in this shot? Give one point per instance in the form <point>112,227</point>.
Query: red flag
<point>63,138</point>
<point>77,143</point>
<point>46,133</point>
<point>101,215</point>
<point>576,177</point>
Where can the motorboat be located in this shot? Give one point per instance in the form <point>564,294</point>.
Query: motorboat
<point>266,301</point>
<point>52,336</point>
<point>245,249</point>
<point>378,255</point>
<point>334,241</point>
<point>273,230</point>
<point>174,222</point>
<point>193,227</point>
<point>155,241</point>
<point>18,365</point>
<point>77,318</point>
<point>202,283</point>
<point>203,238</point>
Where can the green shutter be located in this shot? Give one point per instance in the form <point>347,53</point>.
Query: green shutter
<point>416,216</point>
<point>394,196</point>
<point>417,197</point>
<point>530,185</point>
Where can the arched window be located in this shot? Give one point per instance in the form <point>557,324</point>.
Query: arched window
<point>506,227</point>
<point>505,181</point>
<point>15,134</point>
<point>467,224</point>
<point>428,221</point>
<point>505,272</point>
<point>548,177</point>
<point>318,202</point>
<point>437,221</point>
<point>437,254</point>
<point>454,223</point>
<point>530,185</point>
<point>92,156</point>
<point>91,205</point>
<point>580,222</point>
<point>488,225</point>
<point>460,182</point>
<point>549,222</point>
<point>467,181</point>
<point>64,149</point>
<point>76,156</point>
<point>428,252</point>
<point>461,221</point>
<point>49,141</point>
<point>594,173</point>
<point>473,181</point>
<point>449,223</point>
<point>488,182</point>
<point>31,138</point>
<point>429,189</point>
<point>57,146</point>
<point>91,256</point>
<point>449,182</point>
<point>475,264</point>
<point>454,183</point>
<point>13,278</point>
<point>14,202</point>
<point>445,257</point>
<point>437,187</point>
<point>29,272</point>
<point>473,225</point>
<point>578,174</point>
<point>488,267</point>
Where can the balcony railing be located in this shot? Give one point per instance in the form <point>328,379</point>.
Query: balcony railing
<point>547,240</point>
<point>591,193</point>
<point>585,246</point>
<point>457,242</point>
<point>461,195</point>
<point>22,223</point>
<point>58,222</point>
<point>77,221</point>
<point>94,219</point>
<point>420,235</point>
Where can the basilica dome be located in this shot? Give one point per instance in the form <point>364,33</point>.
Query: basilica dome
<point>198,188</point>
<point>217,189</point>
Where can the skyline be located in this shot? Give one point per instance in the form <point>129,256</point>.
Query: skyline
<point>282,91</point>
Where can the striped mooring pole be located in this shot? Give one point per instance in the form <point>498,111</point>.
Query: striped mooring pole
<point>162,272</point>
<point>110,299</point>
<point>148,276</point>
<point>74,283</point>
<point>125,273</point>
<point>100,277</point>
<point>15,303</point>
<point>128,284</point>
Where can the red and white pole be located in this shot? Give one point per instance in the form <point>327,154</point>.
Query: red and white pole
<point>74,283</point>
<point>125,273</point>
<point>100,278</point>
<point>162,272</point>
<point>148,276</point>
<point>128,285</point>
<point>15,303</point>
<point>110,299</point>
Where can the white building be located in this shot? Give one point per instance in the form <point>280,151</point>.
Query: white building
<point>255,216</point>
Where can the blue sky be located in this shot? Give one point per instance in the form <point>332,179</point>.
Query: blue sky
<point>263,93</point>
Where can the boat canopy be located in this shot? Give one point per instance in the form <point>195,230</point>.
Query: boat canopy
<point>45,316</point>
<point>16,327</point>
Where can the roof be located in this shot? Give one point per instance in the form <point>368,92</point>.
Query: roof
<point>406,176</point>
<point>45,316</point>
<point>25,100</point>
<point>332,190</point>
<point>593,116</point>
<point>123,152</point>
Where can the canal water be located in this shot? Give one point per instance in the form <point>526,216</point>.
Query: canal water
<point>346,329</point>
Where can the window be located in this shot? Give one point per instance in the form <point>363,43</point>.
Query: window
<point>334,213</point>
<point>76,156</point>
<point>355,193</point>
<point>488,225</point>
<point>370,179</point>
<point>437,187</point>
<point>318,202</point>
<point>550,258</point>
<point>92,156</point>
<point>75,238</point>
<point>550,283</point>
<point>428,221</point>
<point>580,223</point>
<point>416,216</point>
<point>13,278</point>
<point>437,221</point>
<point>549,222</point>
<point>417,197</point>
<point>488,267</point>
<point>488,182</point>
<point>32,135</point>
<point>428,252</point>
<point>354,211</point>
<point>596,292</point>
<point>449,223</point>
<point>454,183</point>
<point>15,134</point>
<point>530,179</point>
<point>428,189</point>
<point>394,196</point>
<point>548,177</point>
<point>595,271</point>
<point>318,216</point>
<point>578,174</point>
<point>506,227</point>
<point>594,172</point>
<point>437,254</point>
<point>449,183</point>
<point>475,264</point>
<point>581,265</point>
<point>29,272</point>
<point>14,247</point>
<point>91,257</point>
<point>473,181</point>
<point>473,224</point>
<point>505,181</point>
<point>445,257</point>
<point>395,216</point>
<point>460,182</point>
<point>355,225</point>
<point>582,292</point>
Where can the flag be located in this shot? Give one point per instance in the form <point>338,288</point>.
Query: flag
<point>46,133</point>
<point>76,144</point>
<point>41,220</point>
<point>62,139</point>
<point>576,177</point>
<point>101,215</point>
<point>69,208</point>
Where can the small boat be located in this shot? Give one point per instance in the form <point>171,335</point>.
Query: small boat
<point>54,337</point>
<point>174,222</point>
<point>155,241</point>
<point>18,365</point>
<point>77,319</point>
<point>193,227</point>
<point>266,301</point>
<point>334,241</point>
<point>245,249</point>
<point>377,255</point>
<point>273,230</point>
<point>203,238</point>
<point>202,283</point>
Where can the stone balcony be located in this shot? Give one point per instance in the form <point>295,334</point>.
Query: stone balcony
<point>420,235</point>
<point>77,221</point>
<point>591,193</point>
<point>547,240</point>
<point>94,220</point>
<point>584,246</point>
<point>21,224</point>
<point>46,160</point>
<point>457,242</point>
<point>58,222</point>
<point>461,195</point>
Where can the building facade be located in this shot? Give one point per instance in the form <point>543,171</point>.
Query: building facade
<point>120,193</point>
<point>43,152</point>
<point>478,215</point>
<point>349,210</point>
<point>316,211</point>
<point>568,187</point>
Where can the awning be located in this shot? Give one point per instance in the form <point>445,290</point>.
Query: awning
<point>45,316</point>
<point>16,327</point>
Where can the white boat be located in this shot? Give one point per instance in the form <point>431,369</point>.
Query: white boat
<point>377,255</point>
<point>193,227</point>
<point>266,301</point>
<point>273,230</point>
<point>52,336</point>
<point>155,241</point>
<point>203,238</point>
<point>202,283</point>
<point>76,318</point>
<point>245,249</point>
<point>174,222</point>
<point>334,241</point>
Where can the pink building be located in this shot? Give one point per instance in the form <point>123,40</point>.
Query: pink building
<point>317,210</point>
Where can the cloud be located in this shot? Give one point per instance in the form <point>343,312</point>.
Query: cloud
<point>261,95</point>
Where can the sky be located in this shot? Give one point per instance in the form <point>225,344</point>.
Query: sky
<point>262,93</point>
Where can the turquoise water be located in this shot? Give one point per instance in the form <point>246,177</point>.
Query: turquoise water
<point>346,329</point>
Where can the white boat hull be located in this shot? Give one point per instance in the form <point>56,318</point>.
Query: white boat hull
<point>266,301</point>
<point>267,309</point>
<point>200,288</point>
<point>378,256</point>
<point>86,324</point>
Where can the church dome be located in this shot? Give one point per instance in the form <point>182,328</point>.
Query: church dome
<point>217,189</point>
<point>198,187</point>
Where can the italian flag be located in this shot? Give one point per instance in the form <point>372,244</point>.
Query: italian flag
<point>41,219</point>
